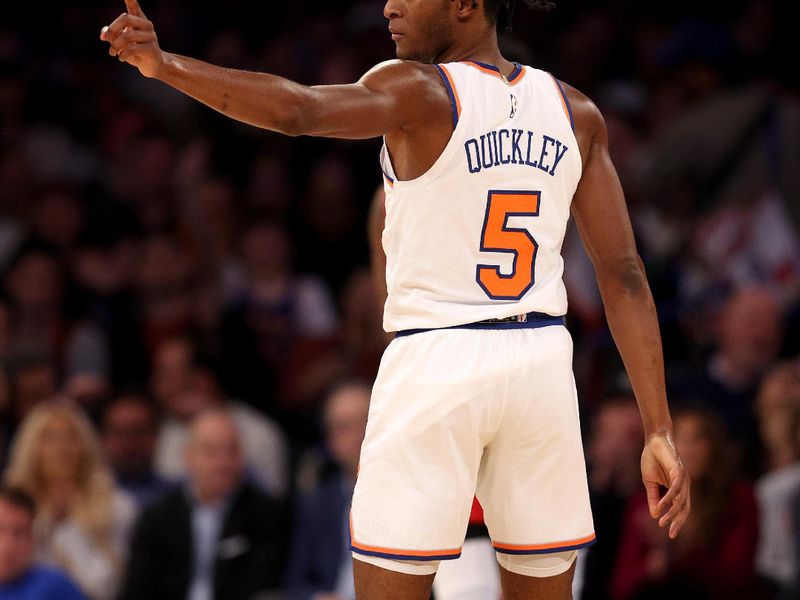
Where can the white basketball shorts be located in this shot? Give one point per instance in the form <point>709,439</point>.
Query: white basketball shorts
<point>459,412</point>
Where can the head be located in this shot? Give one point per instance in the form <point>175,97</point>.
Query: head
<point>129,429</point>
<point>615,445</point>
<point>56,448</point>
<point>182,379</point>
<point>705,450</point>
<point>17,511</point>
<point>58,215</point>
<point>345,421</point>
<point>166,268</point>
<point>778,413</point>
<point>702,443</point>
<point>55,444</point>
<point>214,458</point>
<point>751,331</point>
<point>266,250</point>
<point>423,30</point>
<point>32,381</point>
<point>90,388</point>
<point>34,280</point>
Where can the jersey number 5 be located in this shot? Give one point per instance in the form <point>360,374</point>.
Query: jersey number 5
<point>497,236</point>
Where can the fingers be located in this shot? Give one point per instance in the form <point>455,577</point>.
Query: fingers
<point>675,486</point>
<point>125,21</point>
<point>678,499</point>
<point>675,509</point>
<point>680,519</point>
<point>128,37</point>
<point>134,8</point>
<point>653,496</point>
<point>129,52</point>
<point>661,466</point>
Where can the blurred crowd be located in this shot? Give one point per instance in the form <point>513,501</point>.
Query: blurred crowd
<point>189,330</point>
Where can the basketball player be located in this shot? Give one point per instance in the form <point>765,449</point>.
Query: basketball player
<point>483,162</point>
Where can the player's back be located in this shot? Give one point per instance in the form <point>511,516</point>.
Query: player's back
<point>479,235</point>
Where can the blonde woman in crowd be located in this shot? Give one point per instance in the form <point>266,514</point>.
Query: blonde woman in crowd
<point>83,520</point>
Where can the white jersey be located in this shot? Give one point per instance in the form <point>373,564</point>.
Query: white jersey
<point>479,235</point>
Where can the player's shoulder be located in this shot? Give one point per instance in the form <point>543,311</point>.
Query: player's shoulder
<point>589,122</point>
<point>415,91</point>
<point>400,73</point>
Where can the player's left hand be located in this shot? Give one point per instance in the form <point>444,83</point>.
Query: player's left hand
<point>662,467</point>
<point>133,40</point>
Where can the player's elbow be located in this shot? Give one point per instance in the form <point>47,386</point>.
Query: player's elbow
<point>291,116</point>
<point>289,122</point>
<point>626,274</point>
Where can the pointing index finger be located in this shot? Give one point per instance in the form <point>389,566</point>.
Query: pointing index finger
<point>134,8</point>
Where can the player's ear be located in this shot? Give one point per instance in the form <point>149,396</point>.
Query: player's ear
<point>466,8</point>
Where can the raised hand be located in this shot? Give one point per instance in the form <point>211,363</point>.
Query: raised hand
<point>662,467</point>
<point>133,40</point>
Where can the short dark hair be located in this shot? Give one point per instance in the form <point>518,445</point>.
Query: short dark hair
<point>500,12</point>
<point>19,498</point>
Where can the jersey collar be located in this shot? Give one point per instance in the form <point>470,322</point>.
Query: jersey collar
<point>515,76</point>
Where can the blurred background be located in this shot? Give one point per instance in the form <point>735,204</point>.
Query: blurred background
<point>160,263</point>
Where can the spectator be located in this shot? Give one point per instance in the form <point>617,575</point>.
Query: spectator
<point>129,429</point>
<point>355,350</point>
<point>320,564</point>
<point>39,324</point>
<point>331,235</point>
<point>778,406</point>
<point>185,383</point>
<point>103,265</point>
<point>614,452</point>
<point>215,537</point>
<point>273,308</point>
<point>34,283</point>
<point>83,520</point>
<point>32,381</point>
<point>166,280</point>
<point>20,577</point>
<point>748,341</point>
<point>86,379</point>
<point>714,556</point>
<point>58,216</point>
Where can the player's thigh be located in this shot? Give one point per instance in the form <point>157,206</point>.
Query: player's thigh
<point>523,587</point>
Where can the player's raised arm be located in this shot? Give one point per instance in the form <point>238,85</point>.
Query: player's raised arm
<point>377,104</point>
<point>602,218</point>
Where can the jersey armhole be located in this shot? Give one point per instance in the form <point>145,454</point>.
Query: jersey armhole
<point>564,101</point>
<point>452,93</point>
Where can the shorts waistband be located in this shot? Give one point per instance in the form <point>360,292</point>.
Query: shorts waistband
<point>531,320</point>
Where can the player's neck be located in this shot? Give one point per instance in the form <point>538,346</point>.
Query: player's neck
<point>483,49</point>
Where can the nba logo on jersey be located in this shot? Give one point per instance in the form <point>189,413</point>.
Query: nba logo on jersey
<point>513,106</point>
